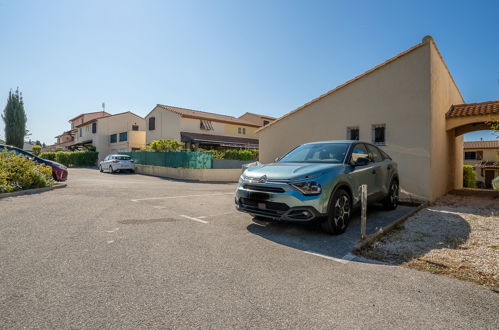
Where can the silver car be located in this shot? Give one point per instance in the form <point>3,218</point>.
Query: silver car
<point>320,181</point>
<point>114,163</point>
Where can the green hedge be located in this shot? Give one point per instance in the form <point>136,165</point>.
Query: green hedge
<point>73,158</point>
<point>469,176</point>
<point>235,154</point>
<point>18,172</point>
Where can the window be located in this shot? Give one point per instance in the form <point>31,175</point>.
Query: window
<point>241,130</point>
<point>359,151</point>
<point>317,153</point>
<point>353,133</point>
<point>473,155</point>
<point>112,138</point>
<point>123,136</point>
<point>152,123</point>
<point>266,122</point>
<point>135,127</point>
<point>379,135</point>
<point>375,154</point>
<point>87,128</point>
<point>94,128</point>
<point>81,132</point>
<point>206,125</point>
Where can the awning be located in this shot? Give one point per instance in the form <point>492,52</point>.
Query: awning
<point>79,144</point>
<point>221,140</point>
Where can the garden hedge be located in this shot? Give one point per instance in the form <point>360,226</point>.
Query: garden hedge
<point>72,158</point>
<point>18,173</point>
<point>469,176</point>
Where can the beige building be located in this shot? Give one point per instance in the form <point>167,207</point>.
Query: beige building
<point>402,105</point>
<point>484,157</point>
<point>204,129</point>
<point>122,132</point>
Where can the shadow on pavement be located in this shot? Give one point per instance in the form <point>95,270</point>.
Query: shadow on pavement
<point>311,238</point>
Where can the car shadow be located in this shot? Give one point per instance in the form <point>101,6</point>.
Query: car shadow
<point>311,238</point>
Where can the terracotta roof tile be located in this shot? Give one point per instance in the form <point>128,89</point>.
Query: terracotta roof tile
<point>207,116</point>
<point>481,144</point>
<point>473,109</point>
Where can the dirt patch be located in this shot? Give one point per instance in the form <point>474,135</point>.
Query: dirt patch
<point>458,236</point>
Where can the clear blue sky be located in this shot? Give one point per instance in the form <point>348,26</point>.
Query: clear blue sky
<point>269,57</point>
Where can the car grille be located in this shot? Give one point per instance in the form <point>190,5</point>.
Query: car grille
<point>269,206</point>
<point>263,188</point>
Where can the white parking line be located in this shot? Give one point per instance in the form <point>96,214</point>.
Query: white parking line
<point>112,231</point>
<point>194,219</point>
<point>342,261</point>
<point>185,196</point>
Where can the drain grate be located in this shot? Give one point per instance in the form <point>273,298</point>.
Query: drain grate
<point>145,221</point>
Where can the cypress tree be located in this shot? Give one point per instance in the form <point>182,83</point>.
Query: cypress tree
<point>14,118</point>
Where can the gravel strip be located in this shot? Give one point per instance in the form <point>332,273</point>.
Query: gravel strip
<point>457,236</point>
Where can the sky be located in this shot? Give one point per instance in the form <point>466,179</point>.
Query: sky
<point>229,57</point>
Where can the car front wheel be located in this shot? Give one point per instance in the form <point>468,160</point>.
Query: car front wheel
<point>339,213</point>
<point>111,169</point>
<point>100,168</point>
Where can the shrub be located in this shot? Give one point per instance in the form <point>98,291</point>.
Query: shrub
<point>73,158</point>
<point>18,172</point>
<point>469,176</point>
<point>166,145</point>
<point>37,149</point>
<point>233,154</point>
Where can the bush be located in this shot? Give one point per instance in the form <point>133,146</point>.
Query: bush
<point>235,154</point>
<point>166,146</point>
<point>469,176</point>
<point>37,149</point>
<point>18,172</point>
<point>73,158</point>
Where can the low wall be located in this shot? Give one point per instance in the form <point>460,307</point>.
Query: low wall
<point>195,174</point>
<point>230,163</point>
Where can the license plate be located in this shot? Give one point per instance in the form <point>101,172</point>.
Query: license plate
<point>262,206</point>
<point>259,196</point>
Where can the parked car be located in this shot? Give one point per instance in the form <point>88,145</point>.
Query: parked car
<point>114,163</point>
<point>319,181</point>
<point>59,171</point>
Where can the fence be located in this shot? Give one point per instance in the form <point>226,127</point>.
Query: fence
<point>172,159</point>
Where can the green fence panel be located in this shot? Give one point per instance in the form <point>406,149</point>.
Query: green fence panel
<point>173,159</point>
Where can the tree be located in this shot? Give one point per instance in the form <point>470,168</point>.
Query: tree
<point>14,118</point>
<point>37,149</point>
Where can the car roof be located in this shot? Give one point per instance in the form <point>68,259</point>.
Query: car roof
<point>338,141</point>
<point>118,155</point>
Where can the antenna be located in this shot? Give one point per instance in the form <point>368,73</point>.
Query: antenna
<point>103,106</point>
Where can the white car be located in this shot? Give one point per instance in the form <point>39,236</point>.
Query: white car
<point>114,163</point>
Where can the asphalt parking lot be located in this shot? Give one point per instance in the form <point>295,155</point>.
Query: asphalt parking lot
<point>129,251</point>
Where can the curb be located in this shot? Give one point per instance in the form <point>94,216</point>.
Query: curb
<point>385,230</point>
<point>33,191</point>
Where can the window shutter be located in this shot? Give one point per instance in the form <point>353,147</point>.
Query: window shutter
<point>152,123</point>
<point>479,155</point>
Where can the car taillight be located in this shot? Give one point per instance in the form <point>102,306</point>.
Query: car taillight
<point>115,161</point>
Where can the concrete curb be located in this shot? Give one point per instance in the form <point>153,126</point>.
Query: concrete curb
<point>385,230</point>
<point>32,191</point>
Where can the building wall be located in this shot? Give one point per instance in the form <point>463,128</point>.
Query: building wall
<point>167,125</point>
<point>86,117</point>
<point>444,160</point>
<point>397,95</point>
<point>233,130</point>
<point>114,125</point>
<point>192,125</point>
<point>255,119</point>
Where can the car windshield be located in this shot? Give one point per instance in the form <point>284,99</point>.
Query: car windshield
<point>317,153</point>
<point>122,157</point>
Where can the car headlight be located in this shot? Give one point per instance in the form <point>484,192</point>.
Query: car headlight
<point>308,187</point>
<point>241,178</point>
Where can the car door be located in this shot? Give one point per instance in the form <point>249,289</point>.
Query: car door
<point>380,166</point>
<point>105,163</point>
<point>363,174</point>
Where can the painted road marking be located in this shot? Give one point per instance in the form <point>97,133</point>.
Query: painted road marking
<point>112,231</point>
<point>342,261</point>
<point>185,196</point>
<point>109,242</point>
<point>217,215</point>
<point>194,219</point>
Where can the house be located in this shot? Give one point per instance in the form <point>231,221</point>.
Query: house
<point>85,117</point>
<point>261,120</point>
<point>409,105</point>
<point>484,157</point>
<point>64,140</point>
<point>122,132</point>
<point>202,129</point>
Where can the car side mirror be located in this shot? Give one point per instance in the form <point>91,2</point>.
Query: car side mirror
<point>276,159</point>
<point>361,161</point>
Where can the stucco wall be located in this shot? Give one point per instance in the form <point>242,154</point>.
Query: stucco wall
<point>397,95</point>
<point>444,159</point>
<point>167,125</point>
<point>195,174</point>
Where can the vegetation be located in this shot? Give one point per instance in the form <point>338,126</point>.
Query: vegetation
<point>37,149</point>
<point>18,173</point>
<point>166,146</point>
<point>72,158</point>
<point>469,176</point>
<point>14,118</point>
<point>233,154</point>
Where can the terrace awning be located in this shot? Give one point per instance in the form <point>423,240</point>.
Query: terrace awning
<point>221,140</point>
